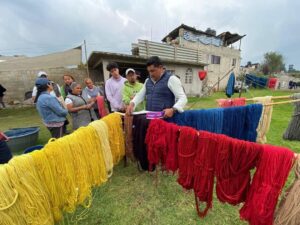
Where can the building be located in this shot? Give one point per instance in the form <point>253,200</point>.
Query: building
<point>221,52</point>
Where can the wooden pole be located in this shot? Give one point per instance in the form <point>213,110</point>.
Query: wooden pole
<point>284,102</point>
<point>273,97</point>
<point>86,60</point>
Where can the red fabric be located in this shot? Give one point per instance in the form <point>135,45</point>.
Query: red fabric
<point>101,106</point>
<point>272,82</point>
<point>187,146</point>
<point>234,161</point>
<point>204,167</point>
<point>223,103</point>
<point>271,174</point>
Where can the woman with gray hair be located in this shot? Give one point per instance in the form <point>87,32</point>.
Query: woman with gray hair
<point>79,107</point>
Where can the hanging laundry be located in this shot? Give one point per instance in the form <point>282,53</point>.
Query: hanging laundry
<point>272,171</point>
<point>265,119</point>
<point>229,90</point>
<point>229,102</point>
<point>140,126</point>
<point>293,131</point>
<point>272,82</point>
<point>288,212</point>
<point>256,81</point>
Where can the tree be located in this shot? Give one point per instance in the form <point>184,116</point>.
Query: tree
<point>273,62</point>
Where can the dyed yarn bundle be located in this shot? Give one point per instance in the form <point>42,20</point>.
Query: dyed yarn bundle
<point>203,155</point>
<point>203,119</point>
<point>265,119</point>
<point>102,132</point>
<point>234,160</point>
<point>140,125</point>
<point>238,122</point>
<point>116,136</point>
<point>38,187</point>
<point>293,131</point>
<point>23,198</point>
<point>289,208</point>
<point>272,171</point>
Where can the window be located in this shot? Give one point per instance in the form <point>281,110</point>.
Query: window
<point>215,59</point>
<point>233,62</point>
<point>188,76</point>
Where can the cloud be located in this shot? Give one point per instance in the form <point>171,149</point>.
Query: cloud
<point>37,27</point>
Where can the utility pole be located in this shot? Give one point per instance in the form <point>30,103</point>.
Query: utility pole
<point>86,60</point>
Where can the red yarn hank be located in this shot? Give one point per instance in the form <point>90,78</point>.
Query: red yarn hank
<point>187,146</point>
<point>172,136</point>
<point>234,161</point>
<point>204,168</point>
<point>156,143</point>
<point>271,173</point>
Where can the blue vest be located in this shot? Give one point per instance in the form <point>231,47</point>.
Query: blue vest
<point>158,95</point>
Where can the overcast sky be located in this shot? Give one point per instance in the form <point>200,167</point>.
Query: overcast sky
<point>35,27</point>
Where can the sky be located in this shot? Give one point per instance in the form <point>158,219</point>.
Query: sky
<point>36,27</point>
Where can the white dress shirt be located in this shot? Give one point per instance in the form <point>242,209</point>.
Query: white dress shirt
<point>174,84</point>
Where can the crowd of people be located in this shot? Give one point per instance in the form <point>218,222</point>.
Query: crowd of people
<point>161,92</point>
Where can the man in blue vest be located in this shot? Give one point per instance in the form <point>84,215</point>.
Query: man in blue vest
<point>163,91</point>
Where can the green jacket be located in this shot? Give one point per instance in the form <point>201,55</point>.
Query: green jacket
<point>129,91</point>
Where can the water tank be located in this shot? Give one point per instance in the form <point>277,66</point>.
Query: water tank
<point>211,31</point>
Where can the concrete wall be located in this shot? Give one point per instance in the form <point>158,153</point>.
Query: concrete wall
<point>19,82</point>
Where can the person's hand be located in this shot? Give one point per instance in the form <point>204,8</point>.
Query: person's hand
<point>130,109</point>
<point>168,112</point>
<point>89,106</point>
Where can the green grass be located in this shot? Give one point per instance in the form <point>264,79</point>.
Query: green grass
<point>131,197</point>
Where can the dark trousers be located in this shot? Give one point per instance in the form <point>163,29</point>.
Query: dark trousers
<point>56,132</point>
<point>1,101</point>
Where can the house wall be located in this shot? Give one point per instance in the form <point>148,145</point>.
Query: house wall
<point>217,70</point>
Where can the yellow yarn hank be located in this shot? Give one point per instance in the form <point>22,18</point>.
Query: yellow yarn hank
<point>116,136</point>
<point>93,154</point>
<point>61,159</point>
<point>288,212</point>
<point>265,119</point>
<point>102,131</point>
<point>48,177</point>
<point>9,209</point>
<point>32,203</point>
